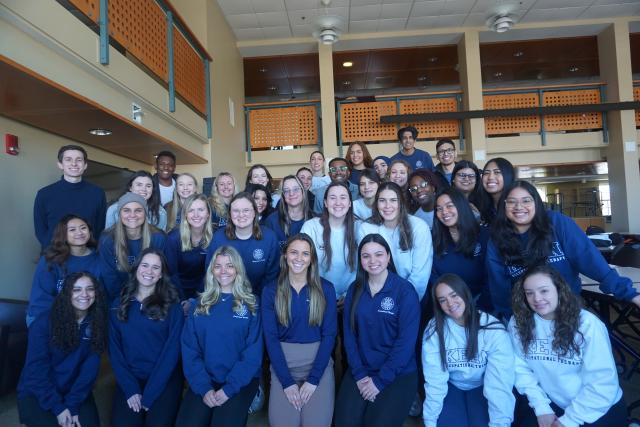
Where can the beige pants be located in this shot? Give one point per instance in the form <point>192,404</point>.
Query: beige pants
<point>318,411</point>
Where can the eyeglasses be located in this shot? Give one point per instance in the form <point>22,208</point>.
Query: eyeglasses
<point>496,172</point>
<point>238,212</point>
<point>415,188</point>
<point>526,202</point>
<point>334,169</point>
<point>294,190</point>
<point>446,151</point>
<point>469,176</point>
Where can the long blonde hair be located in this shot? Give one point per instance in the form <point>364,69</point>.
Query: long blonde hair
<point>185,227</point>
<point>120,241</point>
<point>176,203</point>
<point>218,205</point>
<point>241,289</point>
<point>317,300</point>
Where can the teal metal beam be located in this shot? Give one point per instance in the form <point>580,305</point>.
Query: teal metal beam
<point>104,32</point>
<point>170,72</point>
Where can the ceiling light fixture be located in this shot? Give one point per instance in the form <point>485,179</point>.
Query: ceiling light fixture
<point>100,132</point>
<point>518,54</point>
<point>347,64</point>
<point>497,74</point>
<point>263,69</point>
<point>433,59</point>
<point>503,16</point>
<point>573,69</point>
<point>346,83</point>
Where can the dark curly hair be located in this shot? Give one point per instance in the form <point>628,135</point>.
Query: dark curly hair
<point>58,251</point>
<point>64,320</point>
<point>566,315</point>
<point>155,306</point>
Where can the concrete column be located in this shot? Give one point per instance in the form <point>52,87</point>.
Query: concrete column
<point>622,154</point>
<point>327,101</point>
<point>471,83</point>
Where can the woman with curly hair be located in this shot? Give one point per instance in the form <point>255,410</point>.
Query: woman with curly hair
<point>408,236</point>
<point>144,346</point>
<point>299,320</point>
<point>121,244</point>
<point>224,187</point>
<point>467,361</point>
<point>358,159</point>
<point>564,365</point>
<point>223,379</point>
<point>292,211</point>
<point>72,249</point>
<point>63,357</point>
<point>525,234</point>
<point>423,187</point>
<point>142,183</point>
<point>186,247</point>
<point>186,186</point>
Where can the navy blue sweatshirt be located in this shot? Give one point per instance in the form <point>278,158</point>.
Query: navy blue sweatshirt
<point>49,279</point>
<point>572,253</point>
<point>386,329</point>
<point>261,258</point>
<point>144,351</point>
<point>299,330</point>
<point>112,278</point>
<point>222,348</point>
<point>472,270</point>
<point>273,222</point>
<point>57,379</point>
<point>187,268</point>
<point>62,198</point>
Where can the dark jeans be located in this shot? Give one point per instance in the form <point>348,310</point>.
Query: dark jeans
<point>390,408</point>
<point>33,415</point>
<point>464,408</point>
<point>233,413</point>
<point>615,416</point>
<point>161,414</point>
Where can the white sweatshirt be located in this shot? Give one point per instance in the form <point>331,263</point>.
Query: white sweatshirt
<point>414,264</point>
<point>584,385</point>
<point>361,210</point>
<point>492,368</point>
<point>338,273</point>
<point>319,181</point>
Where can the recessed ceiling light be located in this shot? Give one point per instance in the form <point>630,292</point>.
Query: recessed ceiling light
<point>498,74</point>
<point>422,78</point>
<point>518,54</point>
<point>347,64</point>
<point>347,83</point>
<point>433,59</point>
<point>263,69</point>
<point>272,88</point>
<point>573,69</point>
<point>100,132</point>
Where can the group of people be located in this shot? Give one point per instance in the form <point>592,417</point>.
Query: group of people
<point>451,290</point>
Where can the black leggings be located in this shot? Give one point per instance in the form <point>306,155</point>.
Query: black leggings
<point>615,416</point>
<point>390,408</point>
<point>33,415</point>
<point>233,413</point>
<point>161,414</point>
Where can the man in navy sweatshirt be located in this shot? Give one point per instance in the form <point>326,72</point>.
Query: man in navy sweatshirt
<point>69,195</point>
<point>418,159</point>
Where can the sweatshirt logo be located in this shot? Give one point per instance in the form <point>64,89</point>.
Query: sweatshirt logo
<point>241,312</point>
<point>258,254</point>
<point>386,305</point>
<point>542,350</point>
<point>59,285</point>
<point>418,164</point>
<point>457,358</point>
<point>556,255</point>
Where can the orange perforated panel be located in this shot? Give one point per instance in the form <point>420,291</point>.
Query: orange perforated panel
<point>507,125</point>
<point>91,8</point>
<point>577,121</point>
<point>432,129</point>
<point>275,127</point>
<point>140,26</point>
<point>188,72</point>
<point>636,97</point>
<point>361,121</point>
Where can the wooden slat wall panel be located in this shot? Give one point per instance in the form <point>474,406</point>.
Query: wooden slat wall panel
<point>189,72</point>
<point>91,8</point>
<point>562,122</point>
<point>636,97</point>
<point>432,129</point>
<point>361,121</point>
<point>509,125</point>
<point>275,127</point>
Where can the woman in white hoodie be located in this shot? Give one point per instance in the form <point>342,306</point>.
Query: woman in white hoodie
<point>564,364</point>
<point>467,359</point>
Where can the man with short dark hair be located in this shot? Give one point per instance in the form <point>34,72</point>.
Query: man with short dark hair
<point>446,153</point>
<point>165,175</point>
<point>69,195</point>
<point>338,172</point>
<point>418,159</point>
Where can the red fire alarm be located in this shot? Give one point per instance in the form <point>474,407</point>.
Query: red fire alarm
<point>11,144</point>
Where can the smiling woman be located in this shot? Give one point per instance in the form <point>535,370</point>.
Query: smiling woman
<point>142,183</point>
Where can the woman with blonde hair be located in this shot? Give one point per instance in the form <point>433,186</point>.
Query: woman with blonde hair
<point>121,244</point>
<point>299,320</point>
<point>224,187</point>
<point>186,247</point>
<point>223,378</point>
<point>186,186</point>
